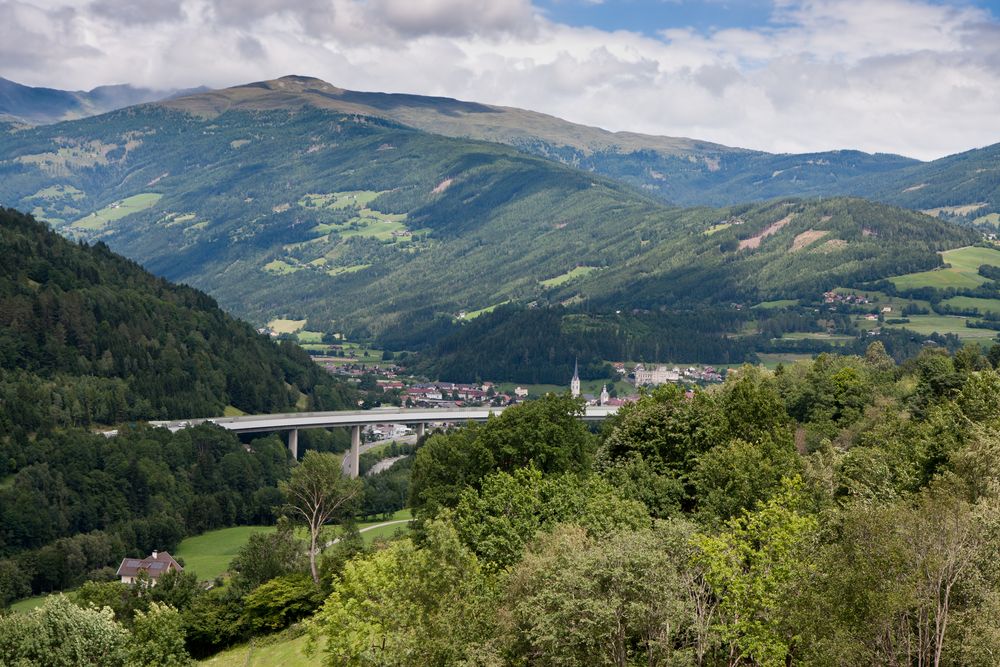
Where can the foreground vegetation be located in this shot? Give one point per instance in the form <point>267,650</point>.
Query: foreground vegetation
<point>842,510</point>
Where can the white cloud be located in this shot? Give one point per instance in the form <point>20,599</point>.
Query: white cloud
<point>904,76</point>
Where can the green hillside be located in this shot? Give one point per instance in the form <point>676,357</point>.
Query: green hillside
<point>677,169</point>
<point>285,209</point>
<point>89,337</point>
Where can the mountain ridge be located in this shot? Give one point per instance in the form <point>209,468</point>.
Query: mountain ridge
<point>40,105</point>
<point>679,170</point>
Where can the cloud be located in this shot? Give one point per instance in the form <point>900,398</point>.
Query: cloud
<point>907,76</point>
<point>452,17</point>
<point>129,12</point>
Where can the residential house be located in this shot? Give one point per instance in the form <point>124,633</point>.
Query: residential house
<point>155,566</point>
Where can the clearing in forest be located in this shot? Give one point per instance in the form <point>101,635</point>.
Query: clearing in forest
<point>754,241</point>
<point>807,237</point>
<point>116,211</point>
<point>568,276</point>
<point>962,272</point>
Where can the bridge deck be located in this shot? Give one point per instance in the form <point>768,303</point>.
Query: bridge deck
<point>303,420</point>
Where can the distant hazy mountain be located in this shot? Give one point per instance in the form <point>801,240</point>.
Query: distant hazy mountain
<point>40,106</point>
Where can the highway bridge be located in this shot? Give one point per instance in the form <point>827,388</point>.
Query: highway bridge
<point>355,420</point>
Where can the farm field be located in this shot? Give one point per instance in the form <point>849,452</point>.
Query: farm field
<point>568,276</point>
<point>772,305</point>
<point>280,267</point>
<point>943,324</point>
<point>116,211</point>
<point>968,302</point>
<point>963,272</point>
<point>305,336</point>
<point>714,229</point>
<point>482,311</point>
<point>286,326</point>
<point>817,335</point>
<point>771,360</point>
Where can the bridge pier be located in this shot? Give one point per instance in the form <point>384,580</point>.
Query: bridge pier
<point>293,443</point>
<point>355,452</point>
<point>420,429</point>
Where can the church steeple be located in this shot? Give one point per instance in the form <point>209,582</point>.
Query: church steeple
<point>574,384</point>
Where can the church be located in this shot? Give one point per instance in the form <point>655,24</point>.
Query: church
<point>574,388</point>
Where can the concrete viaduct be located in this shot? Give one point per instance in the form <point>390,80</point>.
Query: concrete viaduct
<point>355,420</point>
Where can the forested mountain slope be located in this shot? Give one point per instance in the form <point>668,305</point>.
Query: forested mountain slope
<point>363,224</point>
<point>87,336</point>
<point>677,169</point>
<point>681,170</point>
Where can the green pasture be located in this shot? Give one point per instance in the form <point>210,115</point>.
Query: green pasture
<point>943,324</point>
<point>568,276</point>
<point>267,652</point>
<point>208,555</point>
<point>968,302</point>
<point>117,210</point>
<point>779,303</point>
<point>59,191</point>
<point>354,198</point>
<point>962,274</point>
<point>482,311</point>
<point>339,270</point>
<point>771,360</point>
<point>27,604</point>
<point>310,336</point>
<point>717,228</point>
<point>817,335</point>
<point>280,267</point>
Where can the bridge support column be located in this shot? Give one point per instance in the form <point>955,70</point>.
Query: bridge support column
<point>293,443</point>
<point>420,429</point>
<point>355,451</point>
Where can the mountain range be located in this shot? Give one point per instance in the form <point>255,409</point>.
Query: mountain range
<point>373,214</point>
<point>27,104</point>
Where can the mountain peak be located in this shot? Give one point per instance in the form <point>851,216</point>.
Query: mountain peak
<point>439,115</point>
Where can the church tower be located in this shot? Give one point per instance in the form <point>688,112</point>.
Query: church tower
<point>574,384</point>
<point>605,396</point>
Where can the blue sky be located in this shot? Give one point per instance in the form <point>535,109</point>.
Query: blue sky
<point>651,16</point>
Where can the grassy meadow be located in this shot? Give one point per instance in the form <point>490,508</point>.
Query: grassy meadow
<point>277,651</point>
<point>116,211</point>
<point>962,272</point>
<point>208,555</point>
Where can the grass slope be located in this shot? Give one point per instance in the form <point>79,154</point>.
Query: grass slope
<point>208,555</point>
<point>267,652</point>
<point>961,272</point>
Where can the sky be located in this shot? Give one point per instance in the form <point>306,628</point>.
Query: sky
<point>915,77</point>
